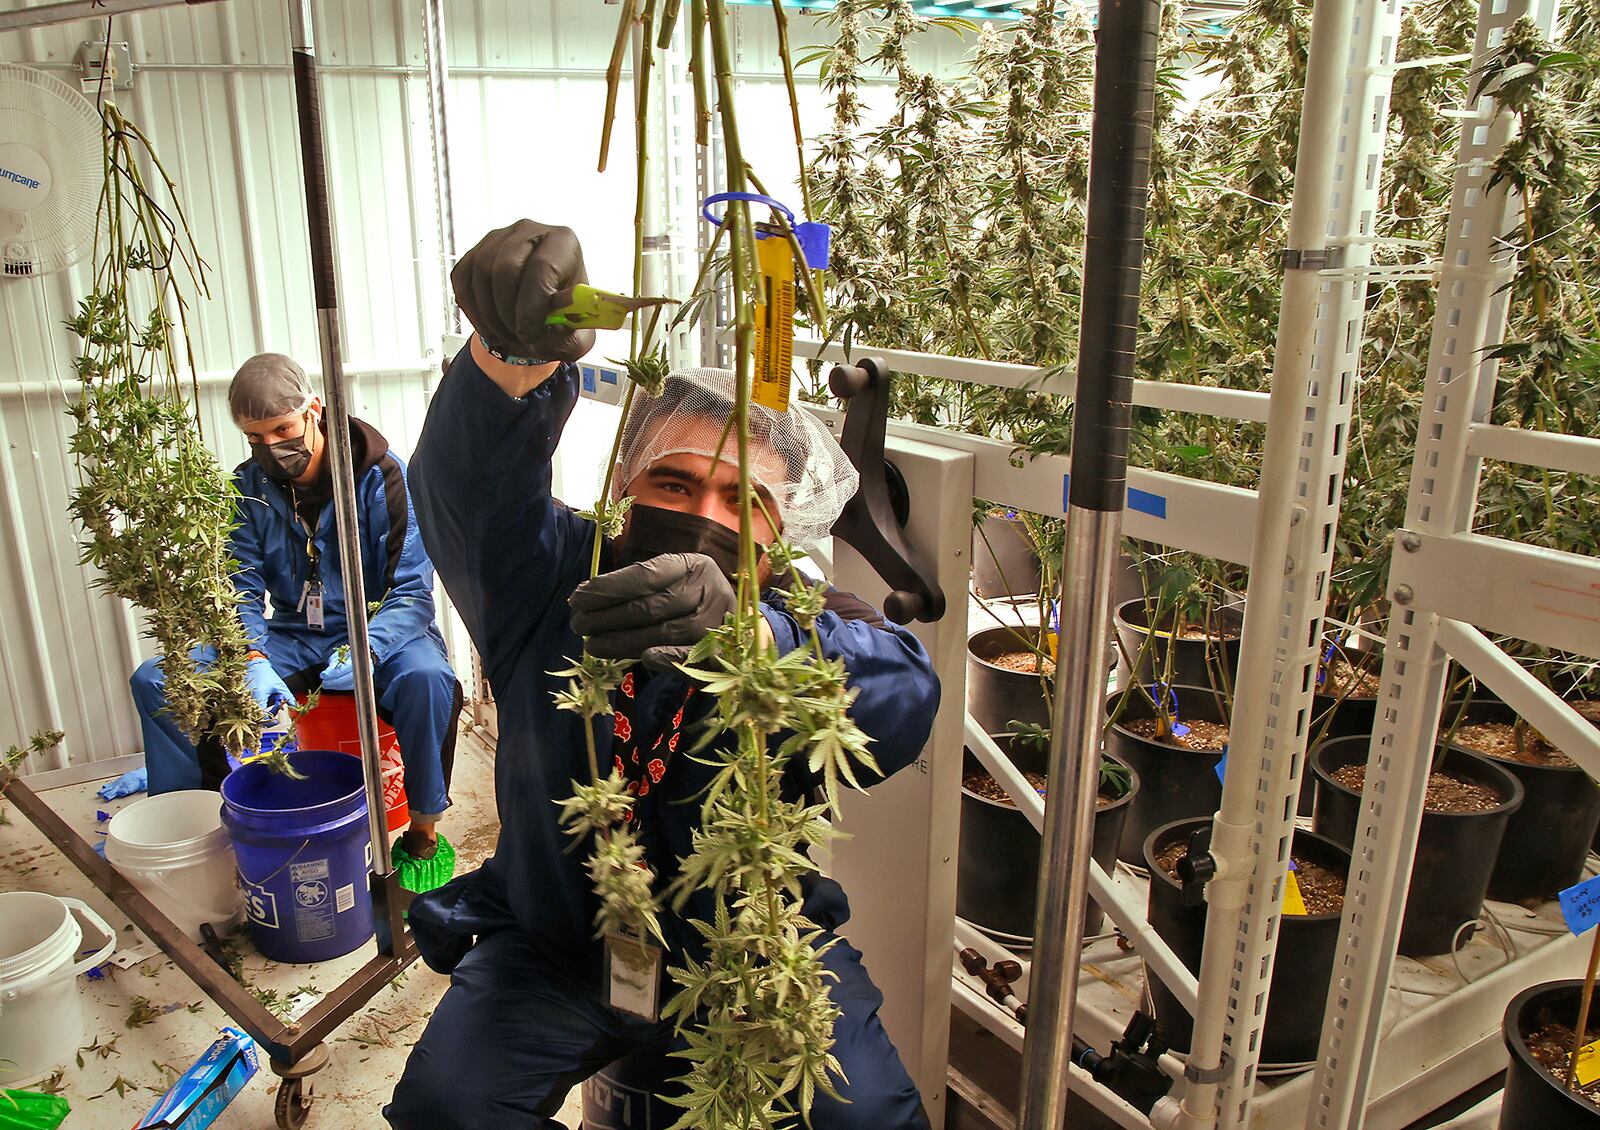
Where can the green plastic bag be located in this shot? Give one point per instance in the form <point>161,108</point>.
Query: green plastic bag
<point>29,1110</point>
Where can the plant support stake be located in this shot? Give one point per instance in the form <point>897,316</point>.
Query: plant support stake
<point>1119,180</point>
<point>319,225</point>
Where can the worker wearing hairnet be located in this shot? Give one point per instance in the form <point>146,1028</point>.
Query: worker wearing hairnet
<point>286,548</point>
<point>526,1016</point>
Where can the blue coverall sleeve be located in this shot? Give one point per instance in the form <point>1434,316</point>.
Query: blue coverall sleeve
<point>407,609</point>
<point>480,482</point>
<point>897,692</point>
<point>249,577</point>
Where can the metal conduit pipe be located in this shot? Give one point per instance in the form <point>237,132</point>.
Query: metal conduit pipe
<point>1264,659</point>
<point>1116,899</point>
<point>319,225</point>
<point>1119,182</point>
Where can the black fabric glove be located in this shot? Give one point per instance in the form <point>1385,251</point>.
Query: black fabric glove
<point>655,610</point>
<point>505,285</point>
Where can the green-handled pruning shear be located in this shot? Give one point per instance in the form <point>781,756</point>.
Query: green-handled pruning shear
<point>584,307</point>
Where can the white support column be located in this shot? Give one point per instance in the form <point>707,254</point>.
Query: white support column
<point>1331,237</point>
<point>1458,392</point>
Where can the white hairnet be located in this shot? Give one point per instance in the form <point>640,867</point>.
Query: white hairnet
<point>267,386</point>
<point>793,456</point>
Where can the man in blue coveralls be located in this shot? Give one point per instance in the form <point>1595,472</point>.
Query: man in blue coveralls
<point>286,548</point>
<point>526,1015</point>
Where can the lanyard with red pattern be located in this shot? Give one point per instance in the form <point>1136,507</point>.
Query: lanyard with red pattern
<point>643,769</point>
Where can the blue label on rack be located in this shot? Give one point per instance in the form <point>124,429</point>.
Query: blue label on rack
<point>1143,501</point>
<point>1580,905</point>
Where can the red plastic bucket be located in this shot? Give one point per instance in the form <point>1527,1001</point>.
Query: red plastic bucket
<point>332,725</point>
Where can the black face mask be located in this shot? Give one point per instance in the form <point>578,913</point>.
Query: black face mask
<point>653,530</point>
<point>285,461</point>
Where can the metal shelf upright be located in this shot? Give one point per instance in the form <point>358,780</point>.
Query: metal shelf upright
<point>1448,586</point>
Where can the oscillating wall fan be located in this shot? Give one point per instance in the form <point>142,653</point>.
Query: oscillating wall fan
<point>50,172</point>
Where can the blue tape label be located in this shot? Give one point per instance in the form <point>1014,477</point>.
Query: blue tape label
<point>1580,905</point>
<point>1143,501</point>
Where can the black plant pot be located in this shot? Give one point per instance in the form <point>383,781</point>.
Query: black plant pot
<point>1548,838</point>
<point>1195,663</point>
<point>1003,561</point>
<point>1456,851</point>
<point>1334,717</point>
<point>1300,974</point>
<point>997,871</point>
<point>1175,783</point>
<point>997,696</point>
<point>1534,1097</point>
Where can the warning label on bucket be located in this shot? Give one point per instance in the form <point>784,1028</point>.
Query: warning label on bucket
<point>313,906</point>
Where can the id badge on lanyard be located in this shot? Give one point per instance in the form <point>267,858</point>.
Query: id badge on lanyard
<point>311,591</point>
<point>633,975</point>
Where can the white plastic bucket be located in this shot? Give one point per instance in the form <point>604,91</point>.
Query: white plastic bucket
<point>174,849</point>
<point>41,955</point>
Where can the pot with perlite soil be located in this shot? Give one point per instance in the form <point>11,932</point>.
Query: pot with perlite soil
<point>1469,802</point>
<point>1205,653</point>
<point>997,872</point>
<point>1177,773</point>
<point>1307,942</point>
<point>1006,679</point>
<point>1538,1030</point>
<point>1547,840</point>
<point>1344,705</point>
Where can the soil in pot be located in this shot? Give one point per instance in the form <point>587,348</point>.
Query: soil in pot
<point>1004,684</point>
<point>1197,654</point>
<point>1468,804</point>
<point>997,874</point>
<point>1306,950</point>
<point>1538,1030</point>
<point>1003,561</point>
<point>1178,776</point>
<point>1549,837</point>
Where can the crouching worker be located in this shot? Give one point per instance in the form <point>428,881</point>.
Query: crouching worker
<point>286,548</point>
<point>526,1017</point>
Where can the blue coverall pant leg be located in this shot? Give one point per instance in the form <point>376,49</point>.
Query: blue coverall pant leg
<point>417,690</point>
<point>511,1037</point>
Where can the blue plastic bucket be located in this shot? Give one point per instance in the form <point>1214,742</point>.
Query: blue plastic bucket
<point>303,855</point>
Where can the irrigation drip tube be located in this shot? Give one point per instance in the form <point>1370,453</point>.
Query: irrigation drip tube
<point>1119,181</point>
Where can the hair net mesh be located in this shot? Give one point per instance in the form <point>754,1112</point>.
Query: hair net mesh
<point>267,386</point>
<point>792,455</point>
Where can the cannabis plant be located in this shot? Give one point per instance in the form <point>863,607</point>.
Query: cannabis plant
<point>156,505</point>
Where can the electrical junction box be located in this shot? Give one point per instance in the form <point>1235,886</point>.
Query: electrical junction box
<point>93,59</point>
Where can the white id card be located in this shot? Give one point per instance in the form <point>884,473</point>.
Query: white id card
<point>633,976</point>
<point>314,607</point>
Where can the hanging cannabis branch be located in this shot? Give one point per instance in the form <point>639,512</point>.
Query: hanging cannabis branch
<point>156,505</point>
<point>755,1011</point>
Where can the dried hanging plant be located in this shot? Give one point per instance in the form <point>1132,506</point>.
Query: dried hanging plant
<point>157,506</point>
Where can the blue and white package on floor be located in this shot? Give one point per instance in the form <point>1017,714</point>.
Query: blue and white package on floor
<point>206,1089</point>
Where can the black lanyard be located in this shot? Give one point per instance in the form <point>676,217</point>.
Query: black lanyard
<point>313,554</point>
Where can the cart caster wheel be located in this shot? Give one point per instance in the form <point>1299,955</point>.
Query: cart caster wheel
<point>293,1104</point>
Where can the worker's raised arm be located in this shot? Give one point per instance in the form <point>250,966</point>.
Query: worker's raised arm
<point>480,477</point>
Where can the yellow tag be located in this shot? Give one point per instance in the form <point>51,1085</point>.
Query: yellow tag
<point>1050,642</point>
<point>1292,902</point>
<point>1588,1063</point>
<point>774,324</point>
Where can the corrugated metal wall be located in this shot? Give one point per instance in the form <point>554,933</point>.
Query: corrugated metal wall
<point>214,92</point>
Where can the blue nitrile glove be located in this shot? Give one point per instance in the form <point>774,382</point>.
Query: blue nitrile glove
<point>133,781</point>
<point>267,685</point>
<point>203,657</point>
<point>340,673</point>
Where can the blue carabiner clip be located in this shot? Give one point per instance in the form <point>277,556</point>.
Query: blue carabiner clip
<point>815,240</point>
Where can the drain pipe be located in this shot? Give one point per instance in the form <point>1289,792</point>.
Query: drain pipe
<point>1260,683</point>
<point>1119,182</point>
<point>319,225</point>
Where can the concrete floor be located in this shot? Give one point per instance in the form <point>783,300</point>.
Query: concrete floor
<point>368,1052</point>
